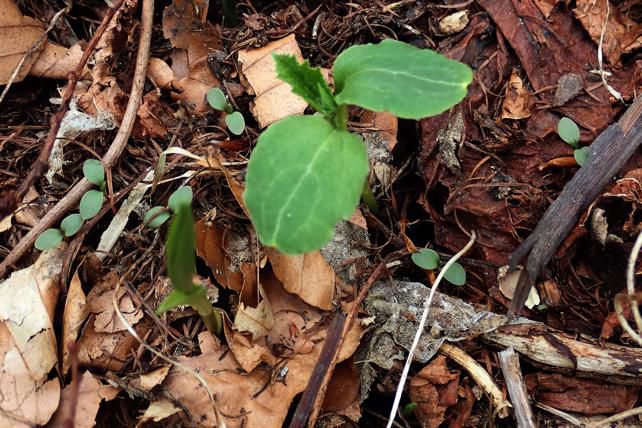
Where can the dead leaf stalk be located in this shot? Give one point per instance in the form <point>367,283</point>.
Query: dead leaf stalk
<point>420,329</point>
<point>631,295</point>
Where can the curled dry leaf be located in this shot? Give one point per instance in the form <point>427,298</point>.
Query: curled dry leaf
<point>75,313</point>
<point>434,389</point>
<point>343,391</point>
<point>90,393</point>
<point>262,397</point>
<point>151,380</point>
<point>160,73</point>
<point>28,347</point>
<point>508,282</point>
<point>454,23</point>
<point>274,98</point>
<point>516,103</point>
<point>18,34</point>
<point>248,353</point>
<point>158,411</point>
<point>309,276</point>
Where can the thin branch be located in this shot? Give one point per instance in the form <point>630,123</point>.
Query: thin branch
<point>509,362</point>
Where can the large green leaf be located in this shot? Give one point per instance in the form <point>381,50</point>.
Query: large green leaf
<point>306,82</point>
<point>180,249</point>
<point>303,177</point>
<point>399,78</point>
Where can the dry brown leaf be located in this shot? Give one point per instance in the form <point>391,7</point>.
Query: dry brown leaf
<point>157,411</point>
<point>342,396</point>
<point>256,321</point>
<point>100,300</point>
<point>75,313</point>
<point>151,380</point>
<point>249,354</point>
<point>309,276</point>
<point>508,282</point>
<point>154,116</point>
<point>18,34</point>
<point>192,37</point>
<point>55,62</point>
<point>159,72</point>
<point>274,98</point>
<point>434,389</point>
<point>454,23</point>
<point>622,35</point>
<point>245,397</point>
<point>90,393</point>
<point>516,103</point>
<point>28,348</point>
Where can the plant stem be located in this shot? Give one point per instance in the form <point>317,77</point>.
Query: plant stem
<point>340,118</point>
<point>212,319</point>
<point>369,198</point>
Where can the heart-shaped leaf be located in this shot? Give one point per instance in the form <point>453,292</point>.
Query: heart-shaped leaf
<point>426,259</point>
<point>93,171</point>
<point>581,155</point>
<point>90,204</point>
<point>303,177</point>
<point>399,78</point>
<point>156,216</point>
<point>216,98</point>
<point>181,196</point>
<point>48,239</point>
<point>568,131</point>
<point>180,249</point>
<point>235,123</point>
<point>456,274</point>
<point>71,224</point>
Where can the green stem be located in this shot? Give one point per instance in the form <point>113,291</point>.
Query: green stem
<point>340,118</point>
<point>369,198</point>
<point>212,319</point>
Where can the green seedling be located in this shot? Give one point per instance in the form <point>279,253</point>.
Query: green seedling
<point>570,133</point>
<point>233,119</point>
<point>158,215</point>
<point>181,267</point>
<point>90,205</point>
<point>429,259</point>
<point>409,409</point>
<point>307,173</point>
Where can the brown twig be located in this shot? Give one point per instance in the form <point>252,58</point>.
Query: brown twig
<point>10,200</point>
<point>509,361</point>
<point>110,158</point>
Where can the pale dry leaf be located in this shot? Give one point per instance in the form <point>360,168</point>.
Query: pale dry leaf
<point>256,321</point>
<point>309,276</point>
<point>453,23</point>
<point>18,34</point>
<point>245,397</point>
<point>159,72</point>
<point>274,98</point>
<point>149,381</point>
<point>55,61</point>
<point>75,313</point>
<point>248,353</point>
<point>100,299</point>
<point>508,282</point>
<point>516,103</point>
<point>90,393</point>
<point>157,411</point>
<point>5,223</point>
<point>28,349</point>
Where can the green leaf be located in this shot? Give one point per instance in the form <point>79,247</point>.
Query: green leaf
<point>235,123</point>
<point>48,239</point>
<point>156,216</point>
<point>90,204</point>
<point>180,298</point>
<point>180,249</point>
<point>426,259</point>
<point>456,274</point>
<point>306,82</point>
<point>568,131</point>
<point>581,155</point>
<point>93,171</point>
<point>399,78</point>
<point>181,196</point>
<point>71,224</point>
<point>408,409</point>
<point>216,98</point>
<point>303,177</point>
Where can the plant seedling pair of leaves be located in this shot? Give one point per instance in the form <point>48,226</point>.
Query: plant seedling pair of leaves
<point>233,119</point>
<point>570,133</point>
<point>90,204</point>
<point>429,259</point>
<point>181,266</point>
<point>307,172</point>
<point>158,215</point>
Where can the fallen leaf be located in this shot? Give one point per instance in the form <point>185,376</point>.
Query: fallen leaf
<point>454,23</point>
<point>159,72</point>
<point>75,313</point>
<point>434,389</point>
<point>248,353</point>
<point>100,299</point>
<point>508,282</point>
<point>90,393</point>
<point>157,411</point>
<point>18,34</point>
<point>56,62</point>
<point>28,349</point>
<point>274,98</point>
<point>621,35</point>
<point>256,321</point>
<point>309,276</point>
<point>149,381</point>
<point>343,391</point>
<point>154,116</point>
<point>516,103</point>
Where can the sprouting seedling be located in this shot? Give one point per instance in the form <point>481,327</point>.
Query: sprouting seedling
<point>570,133</point>
<point>429,259</point>
<point>90,204</point>
<point>233,119</point>
<point>308,172</point>
<point>157,216</point>
<point>181,267</point>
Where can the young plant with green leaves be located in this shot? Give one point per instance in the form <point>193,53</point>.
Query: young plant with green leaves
<point>158,215</point>
<point>308,172</point>
<point>429,259</point>
<point>90,204</point>
<point>181,267</point>
<point>570,133</point>
<point>233,119</point>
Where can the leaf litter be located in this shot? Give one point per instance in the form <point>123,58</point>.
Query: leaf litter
<point>490,165</point>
